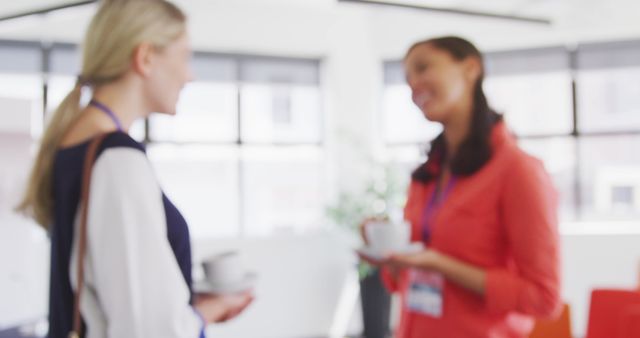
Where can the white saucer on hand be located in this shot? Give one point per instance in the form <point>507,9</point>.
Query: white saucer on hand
<point>377,255</point>
<point>207,287</point>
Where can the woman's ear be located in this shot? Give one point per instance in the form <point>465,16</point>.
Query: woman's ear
<point>143,56</point>
<point>472,69</point>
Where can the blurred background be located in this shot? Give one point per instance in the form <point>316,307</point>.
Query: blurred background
<point>300,119</point>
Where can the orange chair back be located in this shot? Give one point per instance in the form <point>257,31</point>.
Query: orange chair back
<point>607,310</point>
<point>556,328</point>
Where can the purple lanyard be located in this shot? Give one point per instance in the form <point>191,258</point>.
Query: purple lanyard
<point>108,111</point>
<point>431,207</point>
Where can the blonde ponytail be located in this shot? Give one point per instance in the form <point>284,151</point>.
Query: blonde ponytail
<point>115,31</point>
<point>38,199</point>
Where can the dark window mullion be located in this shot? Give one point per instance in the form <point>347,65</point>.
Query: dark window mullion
<point>46,66</point>
<point>239,145</point>
<point>577,186</point>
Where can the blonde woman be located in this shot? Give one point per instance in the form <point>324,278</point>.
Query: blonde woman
<point>138,259</point>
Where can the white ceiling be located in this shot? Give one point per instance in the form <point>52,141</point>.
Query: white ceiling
<point>308,27</point>
<point>535,8</point>
<point>14,7</point>
<point>505,7</point>
<point>512,7</point>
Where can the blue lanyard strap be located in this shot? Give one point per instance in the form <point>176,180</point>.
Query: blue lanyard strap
<point>432,204</point>
<point>108,111</point>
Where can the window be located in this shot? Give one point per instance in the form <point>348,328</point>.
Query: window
<point>206,112</point>
<point>21,88</point>
<point>610,177</point>
<point>280,102</point>
<point>202,180</point>
<point>243,156</point>
<point>282,189</point>
<point>282,157</point>
<point>608,98</point>
<point>559,155</point>
<point>21,96</point>
<point>608,83</point>
<point>64,67</point>
<point>208,107</point>
<point>280,113</point>
<point>532,88</point>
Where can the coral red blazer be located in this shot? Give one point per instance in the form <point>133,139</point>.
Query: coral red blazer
<point>503,219</point>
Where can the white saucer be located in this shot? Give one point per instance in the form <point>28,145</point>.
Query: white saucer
<point>410,248</point>
<point>204,286</point>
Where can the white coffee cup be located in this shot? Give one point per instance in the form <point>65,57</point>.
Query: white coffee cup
<point>224,268</point>
<point>386,237</point>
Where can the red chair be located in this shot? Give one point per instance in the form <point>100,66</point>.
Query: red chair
<point>557,328</point>
<point>630,323</point>
<point>607,310</point>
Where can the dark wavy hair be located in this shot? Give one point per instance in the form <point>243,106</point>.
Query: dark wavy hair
<point>475,151</point>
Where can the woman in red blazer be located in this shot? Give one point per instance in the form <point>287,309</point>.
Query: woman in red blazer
<point>486,211</point>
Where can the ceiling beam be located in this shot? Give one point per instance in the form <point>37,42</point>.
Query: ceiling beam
<point>46,10</point>
<point>539,21</point>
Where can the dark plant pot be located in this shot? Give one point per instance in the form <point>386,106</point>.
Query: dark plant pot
<point>376,306</point>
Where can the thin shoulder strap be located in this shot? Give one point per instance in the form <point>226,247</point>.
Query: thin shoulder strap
<point>82,243</point>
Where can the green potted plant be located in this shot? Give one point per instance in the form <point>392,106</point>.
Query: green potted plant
<point>382,197</point>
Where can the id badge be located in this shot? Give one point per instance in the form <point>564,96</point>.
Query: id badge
<point>425,293</point>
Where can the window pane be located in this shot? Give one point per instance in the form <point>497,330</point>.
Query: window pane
<point>274,113</point>
<point>65,59</point>
<point>209,67</point>
<point>206,112</point>
<point>58,87</point>
<point>20,57</point>
<point>527,61</point>
<point>279,70</point>
<point>401,161</point>
<point>609,99</point>
<point>21,104</point>
<point>282,189</point>
<point>559,157</point>
<point>202,182</point>
<point>610,177</point>
<point>533,104</point>
<point>402,121</point>
<point>404,159</point>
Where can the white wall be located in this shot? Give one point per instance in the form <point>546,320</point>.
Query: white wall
<point>15,115</point>
<point>24,284</point>
<point>300,283</point>
<point>24,249</point>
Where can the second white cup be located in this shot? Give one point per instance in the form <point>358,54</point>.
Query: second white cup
<point>225,268</point>
<point>387,237</point>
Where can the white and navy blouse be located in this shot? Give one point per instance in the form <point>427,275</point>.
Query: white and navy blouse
<point>138,258</point>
